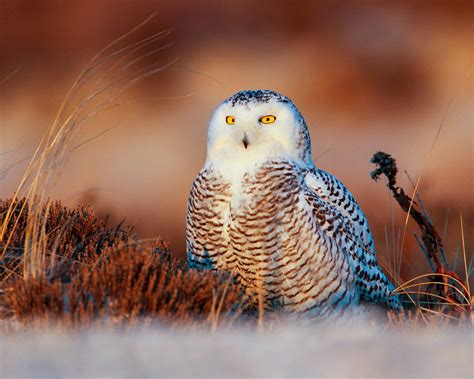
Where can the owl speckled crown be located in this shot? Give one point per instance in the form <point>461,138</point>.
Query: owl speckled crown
<point>256,96</point>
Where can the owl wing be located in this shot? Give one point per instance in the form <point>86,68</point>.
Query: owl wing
<point>323,188</point>
<point>332,191</point>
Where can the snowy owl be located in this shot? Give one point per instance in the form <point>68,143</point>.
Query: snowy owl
<point>261,211</point>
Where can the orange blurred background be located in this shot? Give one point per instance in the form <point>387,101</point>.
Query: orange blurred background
<point>366,75</point>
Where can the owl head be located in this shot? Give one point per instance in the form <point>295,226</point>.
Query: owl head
<point>254,126</point>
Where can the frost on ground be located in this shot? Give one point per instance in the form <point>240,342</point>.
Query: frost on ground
<point>283,351</point>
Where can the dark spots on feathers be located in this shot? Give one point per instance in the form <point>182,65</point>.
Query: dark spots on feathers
<point>256,96</point>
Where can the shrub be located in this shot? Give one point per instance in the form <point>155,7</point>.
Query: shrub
<point>95,273</point>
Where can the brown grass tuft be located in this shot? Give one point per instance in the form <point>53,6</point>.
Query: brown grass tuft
<point>73,237</point>
<point>99,274</point>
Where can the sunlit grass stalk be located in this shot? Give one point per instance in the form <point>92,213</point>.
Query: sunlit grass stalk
<point>108,75</point>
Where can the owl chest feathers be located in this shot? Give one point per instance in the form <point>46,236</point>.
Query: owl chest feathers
<point>257,225</point>
<point>246,203</point>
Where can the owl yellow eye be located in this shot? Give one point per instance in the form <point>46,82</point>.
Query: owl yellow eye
<point>230,120</point>
<point>268,119</point>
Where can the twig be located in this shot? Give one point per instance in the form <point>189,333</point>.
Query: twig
<point>431,243</point>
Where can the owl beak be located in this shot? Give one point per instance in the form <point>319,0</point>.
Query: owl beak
<point>245,141</point>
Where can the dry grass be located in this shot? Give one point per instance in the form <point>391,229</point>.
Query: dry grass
<point>100,87</point>
<point>96,274</point>
<point>442,291</point>
<point>73,237</point>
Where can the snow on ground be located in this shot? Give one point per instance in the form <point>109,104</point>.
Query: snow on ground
<point>284,351</point>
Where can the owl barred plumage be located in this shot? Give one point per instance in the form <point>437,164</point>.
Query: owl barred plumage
<point>261,211</point>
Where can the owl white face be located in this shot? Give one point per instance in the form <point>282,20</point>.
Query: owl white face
<point>254,126</point>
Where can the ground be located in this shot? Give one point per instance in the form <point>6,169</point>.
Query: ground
<point>286,351</point>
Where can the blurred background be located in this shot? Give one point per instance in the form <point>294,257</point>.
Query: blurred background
<point>366,75</point>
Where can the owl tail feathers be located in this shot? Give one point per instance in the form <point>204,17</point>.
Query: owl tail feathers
<point>383,297</point>
<point>388,299</point>
<point>394,303</point>
<point>376,288</point>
